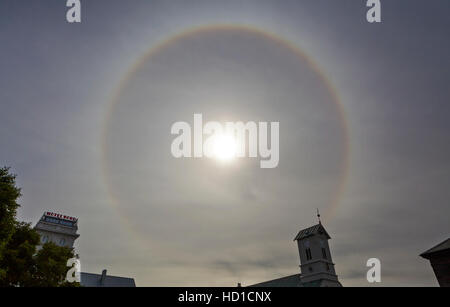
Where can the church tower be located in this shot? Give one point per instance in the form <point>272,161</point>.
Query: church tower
<point>316,264</point>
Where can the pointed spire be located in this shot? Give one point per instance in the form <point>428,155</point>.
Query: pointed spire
<point>318,216</point>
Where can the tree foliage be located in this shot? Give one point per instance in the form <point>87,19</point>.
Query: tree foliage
<point>21,263</point>
<point>50,265</point>
<point>18,259</point>
<point>9,194</point>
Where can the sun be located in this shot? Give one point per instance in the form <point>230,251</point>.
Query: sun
<point>224,147</point>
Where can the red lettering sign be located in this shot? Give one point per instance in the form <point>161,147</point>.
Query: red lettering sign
<point>60,216</point>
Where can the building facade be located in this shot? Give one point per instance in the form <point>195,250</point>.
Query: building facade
<point>316,264</point>
<point>57,228</point>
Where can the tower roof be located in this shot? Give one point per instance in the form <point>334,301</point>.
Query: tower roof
<point>438,248</point>
<point>316,229</point>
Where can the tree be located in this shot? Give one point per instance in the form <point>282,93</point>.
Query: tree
<point>18,261</point>
<point>9,194</point>
<point>51,269</point>
<point>20,264</point>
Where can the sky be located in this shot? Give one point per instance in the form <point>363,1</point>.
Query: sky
<point>86,112</point>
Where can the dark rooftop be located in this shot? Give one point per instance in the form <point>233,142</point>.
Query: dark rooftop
<point>288,281</point>
<point>438,248</point>
<point>103,280</point>
<point>316,229</point>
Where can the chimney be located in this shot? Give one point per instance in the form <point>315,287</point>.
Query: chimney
<point>103,278</point>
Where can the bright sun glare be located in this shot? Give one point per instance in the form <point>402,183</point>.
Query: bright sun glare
<point>224,148</point>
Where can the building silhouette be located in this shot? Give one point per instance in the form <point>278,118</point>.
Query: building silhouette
<point>439,257</point>
<point>316,264</point>
<point>104,280</point>
<point>62,230</point>
<point>57,228</point>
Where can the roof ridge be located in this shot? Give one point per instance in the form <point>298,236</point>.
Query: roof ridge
<point>438,247</point>
<point>310,230</point>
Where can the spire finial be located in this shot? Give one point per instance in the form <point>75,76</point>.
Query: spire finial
<point>318,216</point>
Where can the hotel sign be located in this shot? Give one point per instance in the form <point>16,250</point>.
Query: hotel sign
<point>61,216</point>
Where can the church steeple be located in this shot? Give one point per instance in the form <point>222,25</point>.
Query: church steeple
<point>316,264</point>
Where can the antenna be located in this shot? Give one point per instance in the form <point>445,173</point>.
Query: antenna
<point>318,216</point>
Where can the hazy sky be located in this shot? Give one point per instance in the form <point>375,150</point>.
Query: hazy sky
<point>86,141</point>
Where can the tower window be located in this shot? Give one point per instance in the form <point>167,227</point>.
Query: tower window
<point>308,254</point>
<point>324,253</point>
